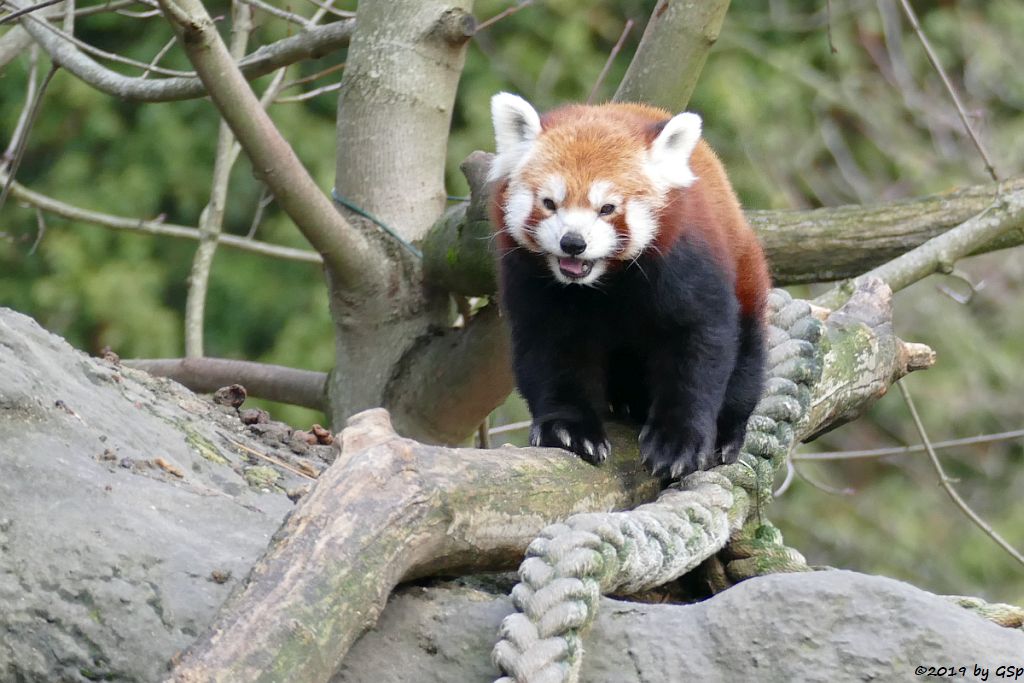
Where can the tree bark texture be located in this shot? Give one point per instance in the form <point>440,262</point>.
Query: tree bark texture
<point>672,53</point>
<point>390,510</point>
<point>394,112</point>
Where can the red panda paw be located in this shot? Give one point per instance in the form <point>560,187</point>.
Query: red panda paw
<point>584,438</point>
<point>672,453</point>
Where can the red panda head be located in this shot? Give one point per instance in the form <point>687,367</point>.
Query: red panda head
<point>585,184</point>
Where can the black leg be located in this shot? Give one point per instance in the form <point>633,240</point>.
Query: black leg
<point>559,356</point>
<point>692,355</point>
<point>744,391</point>
<point>628,396</point>
<point>688,379</point>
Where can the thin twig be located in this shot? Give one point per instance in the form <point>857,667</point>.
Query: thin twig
<point>508,11</point>
<point>269,458</point>
<point>309,95</point>
<point>159,55</point>
<point>265,200</point>
<point>933,58</point>
<point>211,220</point>
<point>280,13</point>
<point>828,26</point>
<point>823,487</point>
<point>483,433</point>
<point>40,231</point>
<point>330,9</point>
<point>944,480</point>
<point>26,110</point>
<point>313,77</point>
<point>902,450</point>
<point>155,227</point>
<point>19,152</point>
<point>511,427</point>
<point>611,58</point>
<point>27,10</point>
<point>112,56</point>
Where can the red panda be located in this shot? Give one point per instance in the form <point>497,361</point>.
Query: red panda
<point>632,284</point>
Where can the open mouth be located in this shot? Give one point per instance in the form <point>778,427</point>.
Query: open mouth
<point>575,268</point>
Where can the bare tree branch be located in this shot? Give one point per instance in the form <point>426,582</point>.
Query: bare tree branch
<point>948,486</point>
<point>821,245</point>
<point>149,227</point>
<point>1004,213</point>
<point>211,219</point>
<point>933,58</point>
<point>310,44</point>
<point>262,380</point>
<point>672,52</point>
<point>350,258</point>
<point>13,44</point>
<point>426,510</point>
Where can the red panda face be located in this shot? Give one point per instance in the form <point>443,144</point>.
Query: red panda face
<point>585,188</point>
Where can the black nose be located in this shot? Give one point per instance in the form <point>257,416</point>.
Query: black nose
<point>573,243</point>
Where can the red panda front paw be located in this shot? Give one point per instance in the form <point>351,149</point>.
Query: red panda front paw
<point>677,451</point>
<point>586,439</point>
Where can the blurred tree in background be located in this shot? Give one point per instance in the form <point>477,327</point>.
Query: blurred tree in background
<point>807,108</point>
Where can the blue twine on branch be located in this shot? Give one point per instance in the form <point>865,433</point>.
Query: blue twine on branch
<point>379,223</point>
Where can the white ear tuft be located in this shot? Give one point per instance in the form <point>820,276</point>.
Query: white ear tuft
<point>516,127</point>
<point>670,152</point>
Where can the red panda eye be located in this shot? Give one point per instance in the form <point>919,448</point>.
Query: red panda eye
<point>549,204</point>
<point>606,210</point>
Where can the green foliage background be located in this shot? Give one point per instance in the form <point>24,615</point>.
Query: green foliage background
<point>798,124</point>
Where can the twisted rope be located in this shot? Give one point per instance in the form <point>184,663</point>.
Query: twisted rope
<point>572,563</point>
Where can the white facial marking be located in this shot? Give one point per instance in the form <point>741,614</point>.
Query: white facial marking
<point>518,205</point>
<point>601,194</point>
<point>668,159</point>
<point>643,226</point>
<point>516,127</point>
<point>598,234</point>
<point>554,189</point>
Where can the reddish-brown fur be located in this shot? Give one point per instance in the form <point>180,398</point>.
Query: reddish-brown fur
<point>608,142</point>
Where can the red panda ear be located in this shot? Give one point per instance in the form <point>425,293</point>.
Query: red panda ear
<point>516,127</point>
<point>670,152</point>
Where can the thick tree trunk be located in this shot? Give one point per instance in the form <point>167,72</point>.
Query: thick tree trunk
<point>394,112</point>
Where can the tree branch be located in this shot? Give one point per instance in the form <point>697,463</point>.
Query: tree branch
<point>350,258</point>
<point>821,245</point>
<point>261,380</point>
<point>672,53</point>
<point>211,220</point>
<point>76,213</point>
<point>433,393</point>
<point>426,510</point>
<point>1003,214</point>
<point>307,45</point>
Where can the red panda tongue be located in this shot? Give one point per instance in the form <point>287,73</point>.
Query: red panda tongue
<point>573,266</point>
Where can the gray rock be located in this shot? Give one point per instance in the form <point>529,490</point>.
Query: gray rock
<point>821,626</point>
<point>120,498</point>
<point>126,519</point>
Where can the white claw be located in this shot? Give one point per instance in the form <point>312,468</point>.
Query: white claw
<point>603,451</point>
<point>535,435</point>
<point>563,436</point>
<point>676,469</point>
<point>588,447</point>
<point>644,432</point>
